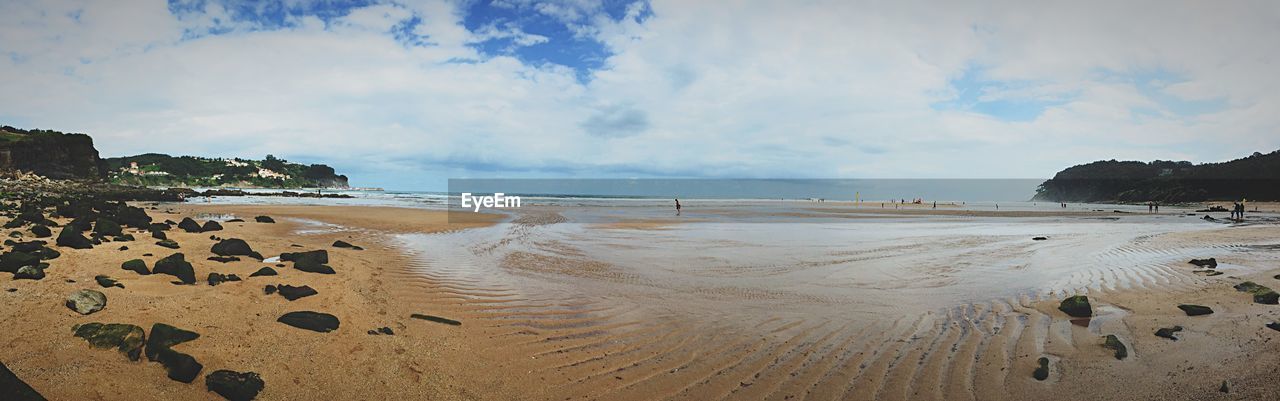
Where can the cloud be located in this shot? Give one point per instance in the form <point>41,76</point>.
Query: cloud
<point>616,122</point>
<point>405,94</point>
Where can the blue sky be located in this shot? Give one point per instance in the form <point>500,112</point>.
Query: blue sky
<point>406,94</point>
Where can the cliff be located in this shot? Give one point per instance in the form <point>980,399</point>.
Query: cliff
<point>1254,178</point>
<point>49,153</point>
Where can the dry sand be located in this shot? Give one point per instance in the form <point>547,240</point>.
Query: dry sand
<point>516,344</point>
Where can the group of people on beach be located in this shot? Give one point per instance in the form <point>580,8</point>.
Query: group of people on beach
<point>1153,207</point>
<point>1237,211</point>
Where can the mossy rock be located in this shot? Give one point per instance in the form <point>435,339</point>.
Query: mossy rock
<point>127,338</point>
<point>1042,372</point>
<point>41,231</point>
<point>1195,310</point>
<point>1076,306</point>
<point>1114,343</point>
<point>168,243</point>
<point>1261,294</point>
<point>106,227</point>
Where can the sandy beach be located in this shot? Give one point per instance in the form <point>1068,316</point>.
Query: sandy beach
<point>918,304</point>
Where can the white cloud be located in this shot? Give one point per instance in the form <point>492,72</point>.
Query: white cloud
<point>820,89</point>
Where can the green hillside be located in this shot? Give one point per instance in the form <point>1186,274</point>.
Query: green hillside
<point>154,169</point>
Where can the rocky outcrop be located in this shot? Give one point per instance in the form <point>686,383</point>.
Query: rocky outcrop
<point>126,338</point>
<point>51,154</point>
<point>14,389</point>
<point>233,247</point>
<point>180,366</point>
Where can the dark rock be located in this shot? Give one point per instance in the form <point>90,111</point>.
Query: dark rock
<point>1167,332</point>
<point>41,231</point>
<point>219,278</point>
<point>158,227</point>
<point>1042,372</point>
<point>235,247</point>
<point>211,226</point>
<point>1195,310</point>
<point>291,293</point>
<point>168,243</point>
<point>1207,272</point>
<point>127,338</point>
<point>1114,343</point>
<point>213,238</point>
<point>176,265</point>
<point>1261,294</point>
<point>270,289</point>
<point>160,235</point>
<point>107,282</point>
<point>106,227</point>
<point>85,302</point>
<point>136,266</point>
<point>234,386</point>
<point>29,273</point>
<point>1076,306</point>
<point>1208,263</point>
<point>265,271</point>
<point>224,259</point>
<point>181,367</point>
<point>189,225</point>
<point>11,261</point>
<point>343,244</point>
<point>235,221</point>
<point>1039,238</point>
<point>1224,388</point>
<point>1274,326</point>
<point>314,321</point>
<point>311,261</point>
<point>436,319</point>
<point>264,219</point>
<point>124,248</point>
<point>387,331</point>
<point>71,238</point>
<point>14,389</point>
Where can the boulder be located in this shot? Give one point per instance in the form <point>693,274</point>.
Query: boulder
<point>160,235</point>
<point>1207,263</point>
<point>180,367</point>
<point>176,265</point>
<point>1195,310</point>
<point>158,227</point>
<point>1114,343</point>
<point>106,227</point>
<point>41,231</point>
<point>219,278</point>
<point>264,219</point>
<point>311,261</point>
<point>268,290</point>
<point>1039,238</point>
<point>11,261</point>
<point>1042,371</point>
<point>107,282</point>
<point>127,338</point>
<point>314,321</point>
<point>14,389</point>
<point>29,273</point>
<point>344,244</point>
<point>223,259</point>
<point>1274,326</point>
<point>233,385</point>
<point>1167,332</point>
<point>1076,306</point>
<point>436,319</point>
<point>168,243</point>
<point>235,247</point>
<point>189,225</point>
<point>136,266</point>
<point>1261,294</point>
<point>265,271</point>
<point>86,302</point>
<point>71,238</point>
<point>211,226</point>
<point>291,293</point>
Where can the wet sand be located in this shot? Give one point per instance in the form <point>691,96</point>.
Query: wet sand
<point>642,309</point>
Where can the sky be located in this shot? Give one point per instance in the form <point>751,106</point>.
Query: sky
<point>406,94</point>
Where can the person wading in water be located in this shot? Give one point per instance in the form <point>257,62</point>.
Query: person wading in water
<point>677,207</point>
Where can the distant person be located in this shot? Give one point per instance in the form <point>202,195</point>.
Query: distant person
<point>1150,206</point>
<point>677,207</point>
<point>935,204</point>
<point>1157,208</point>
